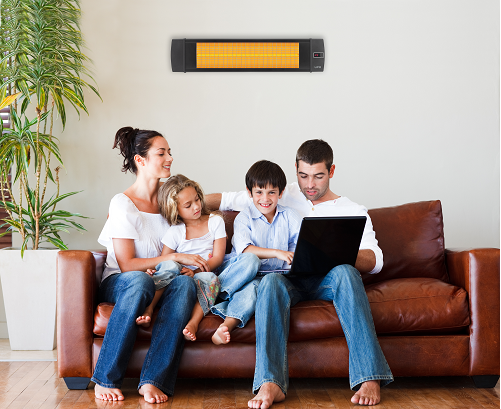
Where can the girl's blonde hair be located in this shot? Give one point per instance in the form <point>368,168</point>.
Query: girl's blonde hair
<point>169,193</point>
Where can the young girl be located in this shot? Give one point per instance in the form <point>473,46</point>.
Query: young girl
<point>194,230</point>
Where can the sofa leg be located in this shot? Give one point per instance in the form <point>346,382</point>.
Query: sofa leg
<point>76,383</point>
<point>485,381</point>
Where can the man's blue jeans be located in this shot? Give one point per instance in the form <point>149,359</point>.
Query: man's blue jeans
<point>132,292</point>
<point>343,286</point>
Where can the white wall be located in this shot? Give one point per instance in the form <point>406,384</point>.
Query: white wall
<point>409,100</point>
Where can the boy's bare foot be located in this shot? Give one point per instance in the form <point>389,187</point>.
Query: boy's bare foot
<point>108,393</point>
<point>144,320</point>
<point>152,394</point>
<point>368,394</point>
<point>190,331</point>
<point>267,395</point>
<point>221,336</point>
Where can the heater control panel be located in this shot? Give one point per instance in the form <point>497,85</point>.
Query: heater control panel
<point>317,53</point>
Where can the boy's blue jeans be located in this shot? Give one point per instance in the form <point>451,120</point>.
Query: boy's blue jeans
<point>343,286</point>
<point>132,292</point>
<point>238,287</point>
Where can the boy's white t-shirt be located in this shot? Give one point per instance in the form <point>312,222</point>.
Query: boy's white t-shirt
<point>175,239</point>
<point>294,198</point>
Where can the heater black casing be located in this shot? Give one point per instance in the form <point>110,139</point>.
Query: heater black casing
<point>184,55</point>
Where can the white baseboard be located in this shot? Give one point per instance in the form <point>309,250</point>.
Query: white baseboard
<point>4,333</point>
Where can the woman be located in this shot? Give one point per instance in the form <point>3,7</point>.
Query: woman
<point>132,236</point>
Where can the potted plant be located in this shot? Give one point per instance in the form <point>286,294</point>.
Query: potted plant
<point>41,69</point>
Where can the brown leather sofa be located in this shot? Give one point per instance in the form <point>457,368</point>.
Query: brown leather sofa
<point>436,313</point>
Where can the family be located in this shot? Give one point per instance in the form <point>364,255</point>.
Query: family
<point>166,250</point>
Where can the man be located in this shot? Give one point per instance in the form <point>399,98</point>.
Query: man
<point>311,196</point>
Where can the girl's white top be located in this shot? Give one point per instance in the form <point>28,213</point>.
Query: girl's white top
<point>175,239</point>
<point>125,221</point>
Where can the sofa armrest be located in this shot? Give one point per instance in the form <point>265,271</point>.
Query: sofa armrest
<point>477,271</point>
<point>76,292</point>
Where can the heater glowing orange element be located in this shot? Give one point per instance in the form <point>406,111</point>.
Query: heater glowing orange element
<point>248,55</point>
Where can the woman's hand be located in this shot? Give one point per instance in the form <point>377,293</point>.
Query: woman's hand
<point>187,272</point>
<point>150,271</point>
<point>285,256</point>
<point>192,260</point>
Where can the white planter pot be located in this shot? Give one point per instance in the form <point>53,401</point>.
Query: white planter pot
<point>29,292</point>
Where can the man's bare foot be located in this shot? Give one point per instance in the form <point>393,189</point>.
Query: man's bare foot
<point>368,394</point>
<point>144,320</point>
<point>108,393</point>
<point>267,395</point>
<point>190,331</point>
<point>152,394</point>
<point>221,336</point>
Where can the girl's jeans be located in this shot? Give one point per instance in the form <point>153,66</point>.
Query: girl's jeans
<point>132,292</point>
<point>343,286</point>
<point>207,283</point>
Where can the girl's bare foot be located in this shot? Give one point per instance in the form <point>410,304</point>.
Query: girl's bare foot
<point>152,394</point>
<point>267,395</point>
<point>108,393</point>
<point>144,320</point>
<point>221,336</point>
<point>190,331</point>
<point>368,394</point>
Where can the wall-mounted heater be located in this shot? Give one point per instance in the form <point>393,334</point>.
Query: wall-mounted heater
<point>247,55</point>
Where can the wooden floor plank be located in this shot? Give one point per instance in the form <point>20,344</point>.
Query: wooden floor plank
<point>243,392</point>
<point>211,395</point>
<point>35,385</point>
<point>333,389</point>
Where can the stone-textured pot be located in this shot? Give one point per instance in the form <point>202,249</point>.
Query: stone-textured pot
<point>29,292</point>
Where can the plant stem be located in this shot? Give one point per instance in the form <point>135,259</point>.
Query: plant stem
<point>47,166</point>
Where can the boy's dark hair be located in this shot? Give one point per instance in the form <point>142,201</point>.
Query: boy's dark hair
<point>264,173</point>
<point>315,151</point>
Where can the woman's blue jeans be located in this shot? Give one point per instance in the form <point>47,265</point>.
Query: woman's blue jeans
<point>132,292</point>
<point>343,286</point>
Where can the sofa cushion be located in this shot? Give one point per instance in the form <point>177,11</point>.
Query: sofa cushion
<point>400,306</point>
<point>411,237</point>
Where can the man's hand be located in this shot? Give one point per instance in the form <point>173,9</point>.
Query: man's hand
<point>285,256</point>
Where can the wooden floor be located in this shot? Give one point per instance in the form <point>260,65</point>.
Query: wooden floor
<point>36,385</point>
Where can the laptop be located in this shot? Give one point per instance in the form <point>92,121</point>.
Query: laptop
<point>324,243</point>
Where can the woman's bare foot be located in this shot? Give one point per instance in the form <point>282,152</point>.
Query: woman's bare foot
<point>190,331</point>
<point>221,336</point>
<point>152,394</point>
<point>267,395</point>
<point>108,393</point>
<point>368,394</point>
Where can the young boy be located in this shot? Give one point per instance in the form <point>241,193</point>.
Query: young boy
<point>265,229</point>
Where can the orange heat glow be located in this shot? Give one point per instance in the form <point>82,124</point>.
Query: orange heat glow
<point>248,55</point>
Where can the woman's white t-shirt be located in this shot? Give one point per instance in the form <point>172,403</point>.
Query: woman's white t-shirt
<point>125,221</point>
<point>175,239</point>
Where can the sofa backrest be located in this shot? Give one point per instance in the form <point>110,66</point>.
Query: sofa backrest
<point>411,237</point>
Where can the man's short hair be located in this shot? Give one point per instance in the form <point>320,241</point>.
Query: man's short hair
<point>315,151</point>
<point>264,173</point>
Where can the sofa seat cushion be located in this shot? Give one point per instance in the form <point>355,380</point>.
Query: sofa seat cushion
<point>424,306</point>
